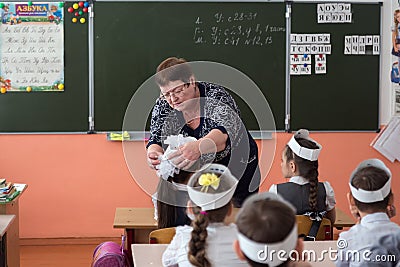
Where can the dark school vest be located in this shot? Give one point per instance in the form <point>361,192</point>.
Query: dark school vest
<point>298,195</point>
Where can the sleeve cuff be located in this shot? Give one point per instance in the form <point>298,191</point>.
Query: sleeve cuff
<point>151,142</point>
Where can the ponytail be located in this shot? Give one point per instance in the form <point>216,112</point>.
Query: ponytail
<point>197,244</point>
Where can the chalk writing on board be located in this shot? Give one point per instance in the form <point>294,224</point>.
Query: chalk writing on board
<point>235,29</point>
<point>31,53</point>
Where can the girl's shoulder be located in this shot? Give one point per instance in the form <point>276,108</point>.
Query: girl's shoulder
<point>183,229</point>
<point>221,227</point>
<point>183,233</point>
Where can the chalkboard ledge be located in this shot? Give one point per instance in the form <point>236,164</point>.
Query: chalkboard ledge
<point>144,136</point>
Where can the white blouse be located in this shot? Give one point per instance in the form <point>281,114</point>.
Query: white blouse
<point>219,246</point>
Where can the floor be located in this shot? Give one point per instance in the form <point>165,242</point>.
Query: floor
<point>57,255</point>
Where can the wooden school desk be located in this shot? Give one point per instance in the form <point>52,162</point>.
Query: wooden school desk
<point>139,222</point>
<point>146,255</point>
<point>5,223</point>
<point>12,208</point>
<point>343,220</point>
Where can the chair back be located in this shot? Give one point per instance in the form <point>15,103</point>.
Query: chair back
<point>162,236</point>
<point>325,231</point>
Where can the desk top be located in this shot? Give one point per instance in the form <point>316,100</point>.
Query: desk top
<point>5,222</point>
<point>343,220</point>
<point>138,218</point>
<point>322,256</point>
<point>143,218</point>
<point>145,255</point>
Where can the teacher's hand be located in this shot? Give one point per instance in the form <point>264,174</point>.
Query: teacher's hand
<point>186,155</point>
<point>152,158</point>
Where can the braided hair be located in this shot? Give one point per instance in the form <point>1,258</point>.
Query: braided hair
<point>307,169</point>
<point>197,245</point>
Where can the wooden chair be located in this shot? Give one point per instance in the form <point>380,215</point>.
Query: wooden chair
<point>325,231</point>
<point>162,236</point>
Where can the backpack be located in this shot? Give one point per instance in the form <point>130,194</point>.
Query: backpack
<point>110,254</point>
<point>394,73</point>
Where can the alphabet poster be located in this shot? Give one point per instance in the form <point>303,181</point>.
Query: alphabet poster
<point>31,47</point>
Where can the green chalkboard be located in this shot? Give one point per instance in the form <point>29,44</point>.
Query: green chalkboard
<point>132,38</point>
<point>65,111</point>
<point>347,96</point>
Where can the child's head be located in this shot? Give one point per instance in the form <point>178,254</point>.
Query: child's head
<point>370,186</point>
<point>300,157</point>
<point>396,16</point>
<point>210,190</point>
<point>170,200</point>
<point>266,221</point>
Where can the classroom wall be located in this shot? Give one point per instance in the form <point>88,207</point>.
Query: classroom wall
<point>77,181</point>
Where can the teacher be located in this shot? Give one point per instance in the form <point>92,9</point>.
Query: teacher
<point>207,112</point>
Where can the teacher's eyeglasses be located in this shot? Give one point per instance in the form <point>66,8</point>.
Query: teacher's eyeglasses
<point>177,91</point>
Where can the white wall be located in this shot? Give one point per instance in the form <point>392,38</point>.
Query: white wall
<point>386,94</point>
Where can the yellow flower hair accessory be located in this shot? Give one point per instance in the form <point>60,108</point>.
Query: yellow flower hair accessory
<point>208,179</point>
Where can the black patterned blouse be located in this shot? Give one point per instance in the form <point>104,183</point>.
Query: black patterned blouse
<point>218,111</point>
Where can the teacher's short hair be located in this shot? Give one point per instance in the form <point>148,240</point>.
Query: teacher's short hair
<point>173,69</point>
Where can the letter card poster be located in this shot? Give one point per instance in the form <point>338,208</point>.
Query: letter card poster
<point>31,47</point>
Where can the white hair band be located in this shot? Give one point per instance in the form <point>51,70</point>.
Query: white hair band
<point>303,152</point>
<point>371,196</point>
<point>272,254</point>
<point>210,201</point>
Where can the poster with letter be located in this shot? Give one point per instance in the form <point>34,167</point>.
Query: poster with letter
<point>31,47</point>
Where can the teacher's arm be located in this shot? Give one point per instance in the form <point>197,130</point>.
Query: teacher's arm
<point>153,153</point>
<point>215,141</point>
<point>154,148</point>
